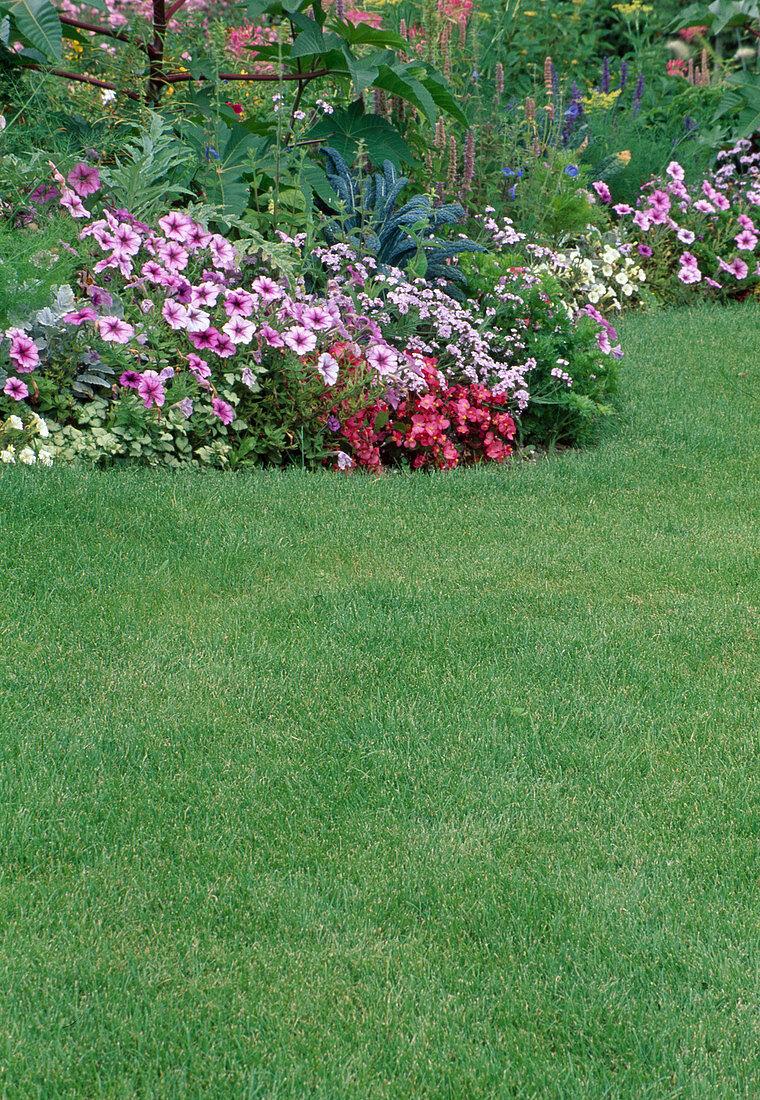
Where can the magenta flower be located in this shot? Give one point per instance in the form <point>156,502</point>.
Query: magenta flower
<point>130,379</point>
<point>195,237</point>
<point>198,366</point>
<point>173,256</point>
<point>238,303</point>
<point>151,389</point>
<point>675,171</point>
<point>645,250</point>
<point>24,353</point>
<point>271,336</point>
<point>602,190</point>
<point>300,340</point>
<point>81,315</point>
<point>746,223</point>
<point>738,268</point>
<point>316,317</point>
<point>84,178</point>
<point>224,346</point>
<point>175,225</point>
<point>114,330</point>
<point>127,241</point>
<point>99,296</point>
<point>222,410</point>
<point>205,294</point>
<point>16,389</point>
<point>267,289</point>
<point>222,252</point>
<point>745,241</point>
<point>622,208</point>
<point>206,339</point>
<point>71,201</point>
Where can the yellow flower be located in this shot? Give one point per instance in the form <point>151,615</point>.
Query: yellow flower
<point>625,156</point>
<point>598,101</point>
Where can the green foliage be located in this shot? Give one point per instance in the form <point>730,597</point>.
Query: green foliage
<point>370,222</point>
<point>36,24</point>
<point>34,260</point>
<point>154,170</point>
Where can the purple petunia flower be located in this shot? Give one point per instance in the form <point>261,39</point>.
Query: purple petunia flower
<point>85,179</point>
<point>130,379</point>
<point>151,389</point>
<point>16,389</point>
<point>114,330</point>
<point>24,353</point>
<point>222,410</point>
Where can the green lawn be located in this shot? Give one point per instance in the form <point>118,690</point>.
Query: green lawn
<point>423,786</point>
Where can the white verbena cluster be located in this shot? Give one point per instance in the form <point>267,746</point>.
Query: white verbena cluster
<point>20,442</point>
<point>600,270</point>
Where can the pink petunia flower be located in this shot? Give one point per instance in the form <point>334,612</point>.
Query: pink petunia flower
<point>746,241</point>
<point>174,314</point>
<point>746,223</point>
<point>151,389</point>
<point>602,190</point>
<point>175,225</point>
<point>198,366</point>
<point>675,171</point>
<point>206,339</point>
<point>622,208</point>
<point>238,303</point>
<point>239,330</point>
<point>84,178</point>
<point>197,319</point>
<point>382,358</point>
<point>222,252</point>
<point>24,354</point>
<point>114,330</point>
<point>205,294</point>
<point>71,201</point>
<point>271,336</point>
<point>81,315</point>
<point>300,340</point>
<point>16,389</point>
<point>224,346</point>
<point>327,368</point>
<point>267,289</point>
<point>222,410</point>
<point>316,317</point>
<point>130,379</point>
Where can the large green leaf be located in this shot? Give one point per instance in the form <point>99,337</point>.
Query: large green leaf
<point>443,97</point>
<point>37,21</point>
<point>398,80</point>
<point>345,128</point>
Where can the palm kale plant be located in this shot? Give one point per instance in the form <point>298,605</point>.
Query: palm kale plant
<point>401,238</point>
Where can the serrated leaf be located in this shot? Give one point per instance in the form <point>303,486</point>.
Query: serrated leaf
<point>38,22</point>
<point>344,129</point>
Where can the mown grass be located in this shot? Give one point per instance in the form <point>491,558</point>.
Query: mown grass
<point>316,786</point>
